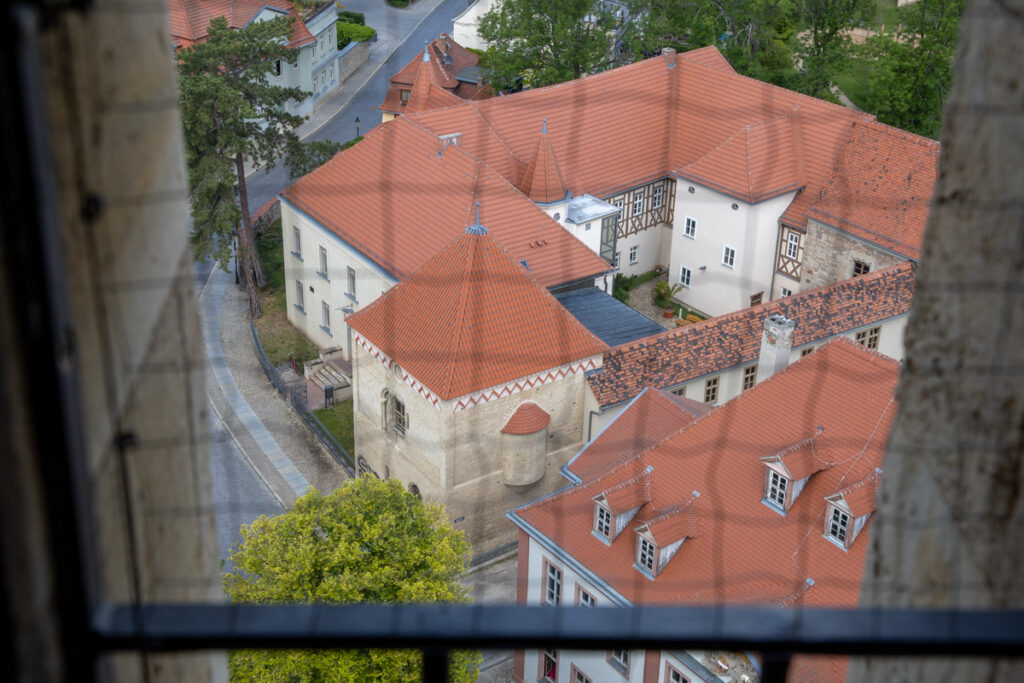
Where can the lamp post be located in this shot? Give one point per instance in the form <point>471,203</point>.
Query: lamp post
<point>357,126</point>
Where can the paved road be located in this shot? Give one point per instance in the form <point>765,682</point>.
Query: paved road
<point>263,186</point>
<point>239,495</point>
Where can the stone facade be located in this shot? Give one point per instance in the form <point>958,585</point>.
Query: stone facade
<point>455,456</point>
<point>829,255</point>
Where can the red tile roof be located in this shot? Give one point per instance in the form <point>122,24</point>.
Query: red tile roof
<point>529,418</point>
<point>860,497</point>
<point>190,19</point>
<point>393,198</point>
<point>471,317</point>
<point>704,122</point>
<point>800,460</point>
<point>542,182</point>
<point>434,77</point>
<point>740,550</point>
<point>717,344</point>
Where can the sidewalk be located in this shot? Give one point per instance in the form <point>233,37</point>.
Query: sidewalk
<point>273,439</point>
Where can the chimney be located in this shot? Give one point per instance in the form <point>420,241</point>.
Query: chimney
<point>669,53</point>
<point>445,141</point>
<point>776,345</point>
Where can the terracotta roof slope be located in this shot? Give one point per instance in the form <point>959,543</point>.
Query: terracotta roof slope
<point>708,56</point>
<point>471,318</point>
<point>881,187</point>
<point>427,91</point>
<point>393,198</point>
<point>542,181</point>
<point>189,20</point>
<point>719,343</point>
<point>529,418</point>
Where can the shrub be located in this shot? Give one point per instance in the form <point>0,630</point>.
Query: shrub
<point>348,33</point>
<point>621,294</point>
<point>346,17</point>
<point>398,3</point>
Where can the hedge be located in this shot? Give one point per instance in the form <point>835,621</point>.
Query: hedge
<point>346,17</point>
<point>348,33</point>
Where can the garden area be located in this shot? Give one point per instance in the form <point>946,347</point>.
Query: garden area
<point>352,28</point>
<point>338,420</point>
<point>651,294</point>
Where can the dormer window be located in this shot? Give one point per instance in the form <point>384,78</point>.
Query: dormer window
<point>602,521</point>
<point>404,96</point>
<point>646,552</point>
<point>838,526</point>
<point>848,511</point>
<point>775,491</point>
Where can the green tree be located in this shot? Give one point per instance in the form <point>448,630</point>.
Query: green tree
<point>230,113</point>
<point>540,42</point>
<point>826,44</point>
<point>913,68</point>
<point>368,541</point>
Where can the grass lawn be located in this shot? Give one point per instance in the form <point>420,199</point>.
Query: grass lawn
<point>338,420</point>
<point>853,81</point>
<point>278,336</point>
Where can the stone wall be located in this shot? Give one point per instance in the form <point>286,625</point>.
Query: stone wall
<point>829,255</point>
<point>351,57</point>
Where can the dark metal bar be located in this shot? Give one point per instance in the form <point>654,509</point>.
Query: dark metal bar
<point>435,666</point>
<point>449,627</point>
<point>775,667</point>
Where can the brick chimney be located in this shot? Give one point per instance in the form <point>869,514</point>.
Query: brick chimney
<point>776,345</point>
<point>669,53</point>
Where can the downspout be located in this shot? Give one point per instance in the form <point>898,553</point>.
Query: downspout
<point>775,268</point>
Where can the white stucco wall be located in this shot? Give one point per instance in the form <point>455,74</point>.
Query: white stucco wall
<point>750,229</point>
<point>371,281</point>
<point>464,25</point>
<point>318,61</point>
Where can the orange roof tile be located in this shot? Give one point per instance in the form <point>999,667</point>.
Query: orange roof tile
<point>705,348</point>
<point>444,60</point>
<point>395,200</point>
<point>542,181</point>
<point>860,497</point>
<point>800,460</point>
<point>470,318</point>
<point>190,19</point>
<point>529,418</point>
<point>745,551</point>
<point>426,93</point>
<point>676,524</point>
<point>629,494</point>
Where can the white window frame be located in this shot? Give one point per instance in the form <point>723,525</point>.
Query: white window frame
<point>300,296</point>
<point>619,659</point>
<point>325,316</point>
<point>785,291</point>
<point>602,521</point>
<point>615,259</point>
<point>838,527</point>
<point>646,555</point>
<point>657,197</point>
<point>690,228</point>
<point>618,203</point>
<point>793,245</point>
<point>552,585</point>
<point>676,676</point>
<point>297,241</point>
<point>685,276</point>
<point>728,256</point>
<point>638,202</point>
<point>553,656</point>
<point>350,281</point>
<point>634,254</point>
<point>776,489</point>
<point>323,263</point>
<point>585,598</point>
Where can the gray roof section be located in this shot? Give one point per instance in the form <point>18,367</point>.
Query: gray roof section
<point>612,321</point>
<point>471,74</point>
<point>587,207</point>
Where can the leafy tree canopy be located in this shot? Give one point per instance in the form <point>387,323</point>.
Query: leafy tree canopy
<point>369,541</point>
<point>913,69</point>
<point>826,44</point>
<point>535,43</point>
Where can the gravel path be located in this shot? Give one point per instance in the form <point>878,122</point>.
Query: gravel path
<point>641,299</point>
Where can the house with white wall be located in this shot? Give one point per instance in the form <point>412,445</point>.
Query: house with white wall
<point>717,359</point>
<point>313,35</point>
<point>766,499</point>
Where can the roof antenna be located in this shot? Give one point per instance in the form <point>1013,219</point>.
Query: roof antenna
<point>477,228</point>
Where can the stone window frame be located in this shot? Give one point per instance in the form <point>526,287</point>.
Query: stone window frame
<point>578,676</point>
<point>749,377</point>
<point>869,338</point>
<point>394,416</point>
<point>711,389</point>
<point>860,268</point>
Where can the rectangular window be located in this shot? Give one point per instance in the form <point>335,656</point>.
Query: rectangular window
<point>325,316</point>
<point>755,299</point>
<point>645,554</point>
<point>676,677</point>
<point>728,256</point>
<point>868,338</point>
<point>806,352</point>
<point>584,599</point>
<point>657,197</point>
<point>277,68</point>
<point>711,390</point>
<point>619,659</point>
<point>618,205</point>
<point>399,416</point>
<point>786,292</point>
<point>839,525</point>
<point>634,254</point>
<point>323,263</point>
<point>749,377</point>
<point>679,391</point>
<point>323,78</point>
<point>776,490</point>
<point>793,245</point>
<point>403,95</point>
<point>615,260</point>
<point>638,202</point>
<point>579,677</point>
<point>608,230</point>
<point>549,666</point>
<point>690,228</point>
<point>297,241</point>
<point>860,268</point>
<point>553,585</point>
<point>299,295</point>
<point>684,276</point>
<point>603,521</point>
<point>350,282</point>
